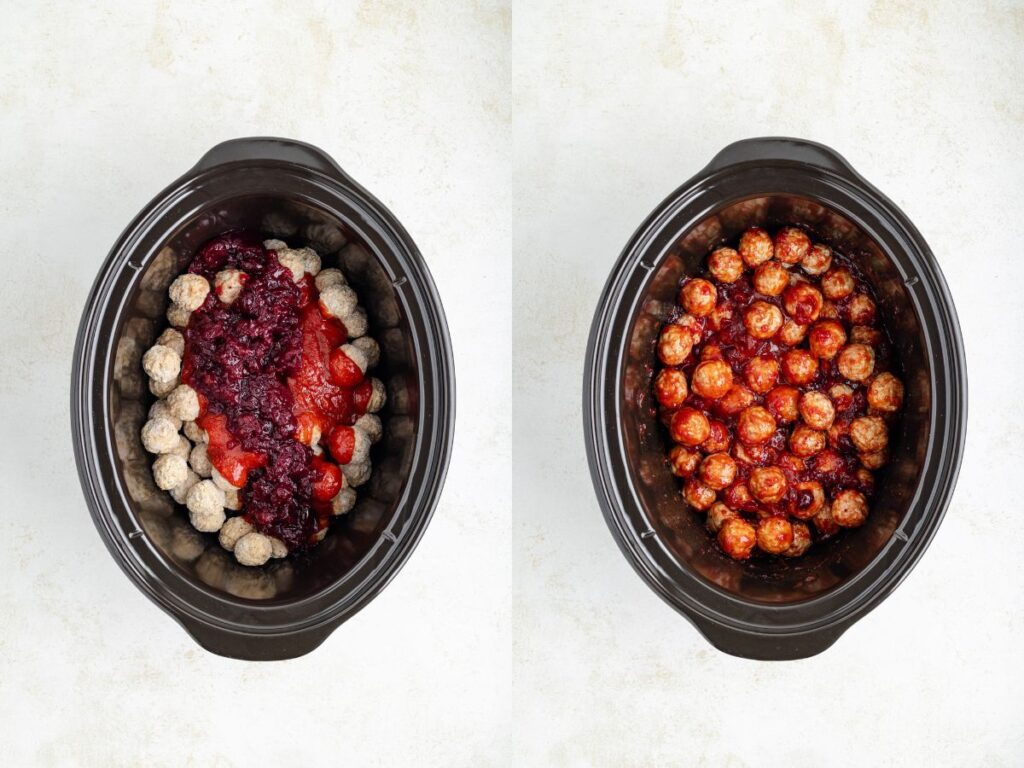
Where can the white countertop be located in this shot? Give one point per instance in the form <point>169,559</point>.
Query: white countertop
<point>520,147</point>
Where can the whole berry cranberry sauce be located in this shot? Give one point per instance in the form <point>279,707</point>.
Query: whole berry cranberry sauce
<point>260,366</point>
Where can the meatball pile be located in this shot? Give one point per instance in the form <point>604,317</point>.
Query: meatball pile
<point>775,388</point>
<point>205,469</point>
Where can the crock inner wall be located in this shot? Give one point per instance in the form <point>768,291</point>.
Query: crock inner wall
<point>680,529</point>
<point>141,318</point>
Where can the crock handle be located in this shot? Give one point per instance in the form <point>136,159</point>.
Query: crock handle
<point>784,149</point>
<point>250,647</point>
<point>269,148</point>
<point>764,647</point>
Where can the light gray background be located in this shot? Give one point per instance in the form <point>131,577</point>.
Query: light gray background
<point>520,146</point>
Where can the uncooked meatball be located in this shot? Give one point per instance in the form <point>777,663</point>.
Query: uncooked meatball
<point>885,393</point>
<point>698,495</point>
<point>717,515</point>
<point>856,362</point>
<point>762,373</point>
<point>808,499</point>
<point>799,367</point>
<point>791,333</point>
<point>689,427</point>
<point>755,425</point>
<point>189,291</point>
<point>805,442</point>
<point>698,297</point>
<point>861,310</point>
<point>849,508</point>
<point>869,434</point>
<point>725,265</point>
<point>674,344</point>
<point>683,461</point>
<point>801,540</point>
<point>670,388</point>
<point>802,302</point>
<point>837,283</point>
<point>762,320</point>
<point>712,379</point>
<point>718,470</point>
<point>774,534</point>
<point>826,338</point>
<point>736,399</point>
<point>818,260</point>
<point>771,279</point>
<point>791,245</point>
<point>816,410</point>
<point>782,402</point>
<point>737,537</point>
<point>768,484</point>
<point>756,247</point>
<point>718,440</point>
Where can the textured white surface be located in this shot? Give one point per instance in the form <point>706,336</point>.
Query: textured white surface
<point>521,147</point>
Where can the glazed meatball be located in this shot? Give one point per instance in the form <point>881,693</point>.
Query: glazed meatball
<point>735,400</point>
<point>698,297</point>
<point>861,310</point>
<point>837,283</point>
<point>753,455</point>
<point>818,260</point>
<point>762,320</point>
<point>762,373</point>
<point>782,402</point>
<point>799,367</point>
<point>808,499</point>
<point>737,537</point>
<point>829,311</point>
<point>755,425</point>
<point>842,396</point>
<point>801,540</point>
<point>791,245</point>
<point>718,440</point>
<point>862,334</point>
<point>826,338</point>
<point>805,442</point>
<point>771,279</point>
<point>875,459</point>
<point>683,461</point>
<point>787,462</point>
<point>824,523</point>
<point>756,247</point>
<point>774,534</point>
<point>693,325</point>
<point>885,393</point>
<point>849,508</point>
<point>689,427</point>
<point>828,462</point>
<point>670,388</point>
<point>768,484</point>
<point>856,362</point>
<point>791,333</point>
<point>737,496</point>
<point>816,410</point>
<point>717,515</point>
<point>725,265</point>
<point>711,351</point>
<point>802,302</point>
<point>869,434</point>
<point>674,344</point>
<point>717,471</point>
<point>712,379</point>
<point>698,495</point>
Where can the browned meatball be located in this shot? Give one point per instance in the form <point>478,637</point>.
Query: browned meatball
<point>791,333</point>
<point>838,434</point>
<point>828,462</point>
<point>842,396</point>
<point>885,393</point>
<point>862,334</point>
<point>856,362</point>
<point>771,279</point>
<point>735,400</point>
<point>719,440</point>
<point>787,462</point>
<point>818,259</point>
<point>875,459</point>
<point>737,496</point>
<point>698,495</point>
<point>816,410</point>
<point>698,297</point>
<point>799,367</point>
<point>801,540</point>
<point>808,500</point>
<point>829,311</point>
<point>774,534</point>
<point>674,344</point>
<point>683,461</point>
<point>768,484</point>
<point>719,316</point>
<point>762,320</point>
<point>756,247</point>
<point>762,373</point>
<point>837,283</point>
<point>711,351</point>
<point>754,455</point>
<point>670,388</point>
<point>849,508</point>
<point>805,442</point>
<point>689,427</point>
<point>861,310</point>
<point>737,537</point>
<point>725,265</point>
<point>824,523</point>
<point>717,515</point>
<point>826,338</point>
<point>802,302</point>
<point>718,471</point>
<point>791,245</point>
<point>782,402</point>
<point>712,379</point>
<point>755,425</point>
<point>869,433</point>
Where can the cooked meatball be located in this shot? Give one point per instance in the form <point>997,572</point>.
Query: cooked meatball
<point>875,459</point>
<point>885,393</point>
<point>169,471</point>
<point>718,471</point>
<point>378,396</point>
<point>839,433</point>
<point>228,284</point>
<point>849,508</point>
<point>711,351</point>
<point>670,388</point>
<point>178,316</point>
<point>768,484</point>
<point>195,433</point>
<point>824,523</point>
<point>717,515</point>
<point>689,427</point>
<point>805,442</point>
<point>801,540</point>
<point>370,425</point>
<point>370,348</point>
<point>828,462</point>
<point>791,333</point>
<point>771,279</point>
<point>180,492</point>
<point>818,260</point>
<point>756,247</point>
<point>205,502</point>
<point>856,362</point>
<point>829,311</point>
<point>837,283</point>
<point>220,481</point>
<point>808,499</point>
<point>861,310</point>
<point>787,462</point>
<point>802,302</point>
<point>698,495</point>
<point>816,410</point>
<point>674,344</point>
<point>762,373</point>
<point>328,277</point>
<point>862,334</point>
<point>159,436</point>
<point>762,320</point>
<point>171,337</point>
<point>826,338</point>
<point>869,433</point>
<point>683,461</point>
<point>774,534</point>
<point>752,455</point>
<point>233,529</point>
<point>184,403</point>
<point>718,440</point>
<point>698,297</point>
<point>799,367</point>
<point>791,245</point>
<point>189,291</point>
<point>782,402</point>
<point>161,409</point>
<point>343,502</point>
<point>735,400</point>
<point>338,300</point>
<point>725,265</point>
<point>161,363</point>
<point>253,549</point>
<point>755,425</point>
<point>842,396</point>
<point>712,379</point>
<point>200,460</point>
<point>356,323</point>
<point>737,537</point>
<point>693,325</point>
<point>737,496</point>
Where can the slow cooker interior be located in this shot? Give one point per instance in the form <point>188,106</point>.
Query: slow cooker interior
<point>165,524</point>
<point>681,529</point>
